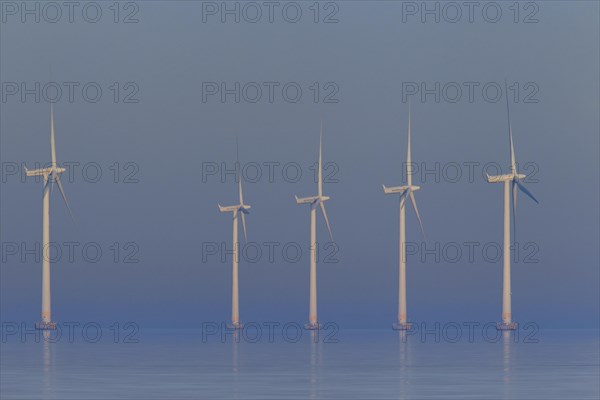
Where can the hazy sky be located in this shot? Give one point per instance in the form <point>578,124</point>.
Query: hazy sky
<point>170,58</point>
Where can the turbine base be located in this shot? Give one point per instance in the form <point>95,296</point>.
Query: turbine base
<point>45,326</point>
<point>506,326</point>
<point>313,326</point>
<point>402,326</point>
<point>235,325</point>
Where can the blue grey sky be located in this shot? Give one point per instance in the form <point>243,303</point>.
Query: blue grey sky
<point>370,57</point>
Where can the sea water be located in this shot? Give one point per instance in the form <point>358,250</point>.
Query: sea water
<point>352,364</point>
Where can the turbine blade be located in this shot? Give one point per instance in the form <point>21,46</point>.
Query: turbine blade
<point>64,196</point>
<point>524,190</point>
<point>51,179</point>
<point>408,155</point>
<point>237,149</point>
<point>513,166</point>
<point>326,219</point>
<point>244,225</point>
<point>320,175</point>
<point>239,171</point>
<point>513,163</point>
<point>414,203</point>
<point>46,185</point>
<point>403,197</point>
<point>52,142</point>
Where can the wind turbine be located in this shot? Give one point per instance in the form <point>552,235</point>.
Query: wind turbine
<point>314,201</point>
<point>405,191</point>
<point>236,210</point>
<point>511,183</point>
<point>51,175</point>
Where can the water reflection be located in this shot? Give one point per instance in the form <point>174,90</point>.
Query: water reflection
<point>403,364</point>
<point>235,363</point>
<point>506,363</point>
<point>235,346</point>
<point>315,363</point>
<point>47,365</point>
<point>365,364</point>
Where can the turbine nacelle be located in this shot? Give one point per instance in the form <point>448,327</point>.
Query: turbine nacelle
<point>312,199</point>
<point>240,207</point>
<point>319,199</point>
<point>505,177</point>
<point>400,189</point>
<point>52,174</point>
<point>407,191</point>
<point>44,171</point>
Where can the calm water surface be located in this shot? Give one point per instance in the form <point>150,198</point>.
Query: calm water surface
<point>363,364</point>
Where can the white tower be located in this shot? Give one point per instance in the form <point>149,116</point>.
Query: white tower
<point>236,210</point>
<point>314,201</point>
<point>50,175</point>
<point>511,182</point>
<point>404,191</point>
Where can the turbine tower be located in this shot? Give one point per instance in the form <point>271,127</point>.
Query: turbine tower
<point>240,209</point>
<point>511,183</point>
<point>405,191</point>
<point>50,175</point>
<point>314,201</point>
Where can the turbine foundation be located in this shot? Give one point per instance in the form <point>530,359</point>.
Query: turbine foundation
<point>45,326</point>
<point>235,325</point>
<point>402,326</point>
<point>506,326</point>
<point>313,326</point>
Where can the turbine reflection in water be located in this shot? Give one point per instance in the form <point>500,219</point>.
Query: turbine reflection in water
<point>315,363</point>
<point>506,359</point>
<point>403,364</point>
